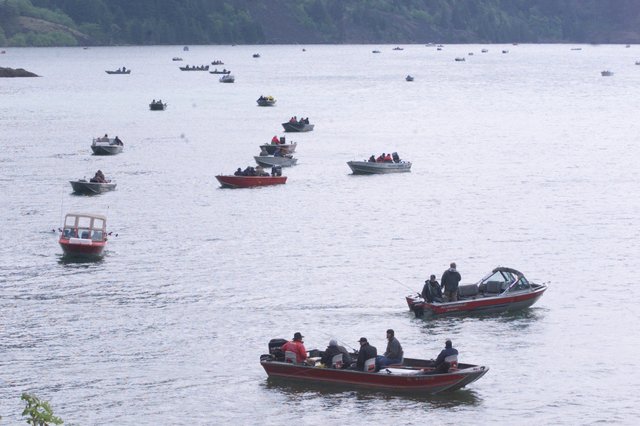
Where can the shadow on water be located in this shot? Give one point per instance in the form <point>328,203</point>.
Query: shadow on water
<point>299,390</point>
<point>74,260</point>
<point>523,317</point>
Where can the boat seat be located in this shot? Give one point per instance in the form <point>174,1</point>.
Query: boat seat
<point>85,235</point>
<point>467,290</point>
<point>370,365</point>
<point>336,361</point>
<point>493,287</point>
<point>290,356</point>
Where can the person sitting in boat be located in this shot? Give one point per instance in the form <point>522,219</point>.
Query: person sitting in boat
<point>98,177</point>
<point>117,141</point>
<point>297,347</point>
<point>260,171</point>
<point>238,172</point>
<point>431,292</point>
<point>332,350</point>
<point>263,151</point>
<point>275,140</point>
<point>293,119</point>
<point>380,159</point>
<point>249,171</point>
<point>388,159</point>
<point>278,153</point>
<point>394,353</point>
<point>105,138</point>
<point>372,159</point>
<point>447,358</point>
<point>366,352</point>
<point>306,120</point>
<point>396,157</point>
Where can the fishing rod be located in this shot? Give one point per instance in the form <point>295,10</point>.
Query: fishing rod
<point>405,286</point>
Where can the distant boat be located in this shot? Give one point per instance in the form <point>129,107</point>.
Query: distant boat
<point>505,51</point>
<point>186,48</point>
<point>285,148</point>
<point>409,78</point>
<point>470,53</point>
<point>256,55</point>
<point>195,68</point>
<point>576,48</point>
<point>296,126</point>
<point>484,50</point>
<point>176,58</point>
<point>107,146</point>
<point>266,101</point>
<point>82,186</point>
<point>606,73</point>
<point>157,106</point>
<point>459,59</point>
<point>228,78</point>
<point>223,71</point>
<point>375,51</point>
<point>217,62</point>
<point>637,62</point>
<point>122,70</point>
<point>374,168</point>
<point>398,48</point>
<point>231,181</point>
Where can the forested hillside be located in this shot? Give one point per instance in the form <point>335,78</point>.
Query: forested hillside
<point>107,22</point>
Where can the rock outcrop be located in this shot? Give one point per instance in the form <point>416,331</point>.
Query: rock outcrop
<point>17,72</point>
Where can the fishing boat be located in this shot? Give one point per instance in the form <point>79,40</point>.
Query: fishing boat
<point>256,55</point>
<point>606,73</point>
<point>157,106</point>
<point>176,58</point>
<point>286,160</point>
<point>84,235</point>
<point>409,78</point>
<point>107,146</point>
<point>459,59</point>
<point>232,181</point>
<point>297,126</point>
<point>227,79</point>
<point>122,70</point>
<point>415,376</point>
<point>82,186</point>
<point>271,148</point>
<point>222,71</point>
<point>266,101</point>
<point>368,167</point>
<point>217,62</point>
<point>502,290</point>
<point>195,68</point>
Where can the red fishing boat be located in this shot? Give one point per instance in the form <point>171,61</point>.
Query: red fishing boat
<point>231,181</point>
<point>502,290</point>
<point>416,376</point>
<point>84,235</point>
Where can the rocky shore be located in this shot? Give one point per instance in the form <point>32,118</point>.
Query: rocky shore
<point>17,72</point>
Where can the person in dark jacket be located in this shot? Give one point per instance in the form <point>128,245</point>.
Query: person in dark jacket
<point>366,352</point>
<point>431,291</point>
<point>447,358</point>
<point>334,349</point>
<point>450,281</point>
<point>394,353</point>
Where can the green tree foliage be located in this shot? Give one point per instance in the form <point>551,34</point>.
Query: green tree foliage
<point>336,21</point>
<point>39,413</point>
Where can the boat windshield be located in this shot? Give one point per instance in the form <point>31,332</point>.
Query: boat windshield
<point>520,285</point>
<point>499,280</point>
<point>85,227</point>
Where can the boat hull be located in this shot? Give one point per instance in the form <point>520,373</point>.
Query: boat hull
<point>414,381</point>
<point>297,127</point>
<point>228,181</point>
<point>371,168</point>
<point>157,107</point>
<point>270,161</point>
<point>91,188</point>
<point>106,149</point>
<point>484,305</point>
<point>118,72</point>
<point>266,103</point>
<point>77,247</point>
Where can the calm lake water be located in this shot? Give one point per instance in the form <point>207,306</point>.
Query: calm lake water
<point>526,159</point>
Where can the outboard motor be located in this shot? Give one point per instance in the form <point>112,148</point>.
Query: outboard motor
<point>277,170</point>
<point>396,157</point>
<point>275,349</point>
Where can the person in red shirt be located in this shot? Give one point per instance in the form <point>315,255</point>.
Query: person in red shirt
<point>275,140</point>
<point>388,159</point>
<point>296,346</point>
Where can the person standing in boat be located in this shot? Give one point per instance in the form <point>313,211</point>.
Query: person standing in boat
<point>447,358</point>
<point>431,291</point>
<point>366,352</point>
<point>394,353</point>
<point>332,350</point>
<point>296,346</point>
<point>117,141</point>
<point>450,281</point>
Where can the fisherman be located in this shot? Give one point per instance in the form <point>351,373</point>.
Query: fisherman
<point>394,353</point>
<point>431,291</point>
<point>296,346</point>
<point>447,358</point>
<point>332,350</point>
<point>450,281</point>
<point>366,352</point>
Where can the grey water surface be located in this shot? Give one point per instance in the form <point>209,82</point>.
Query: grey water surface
<point>527,159</point>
